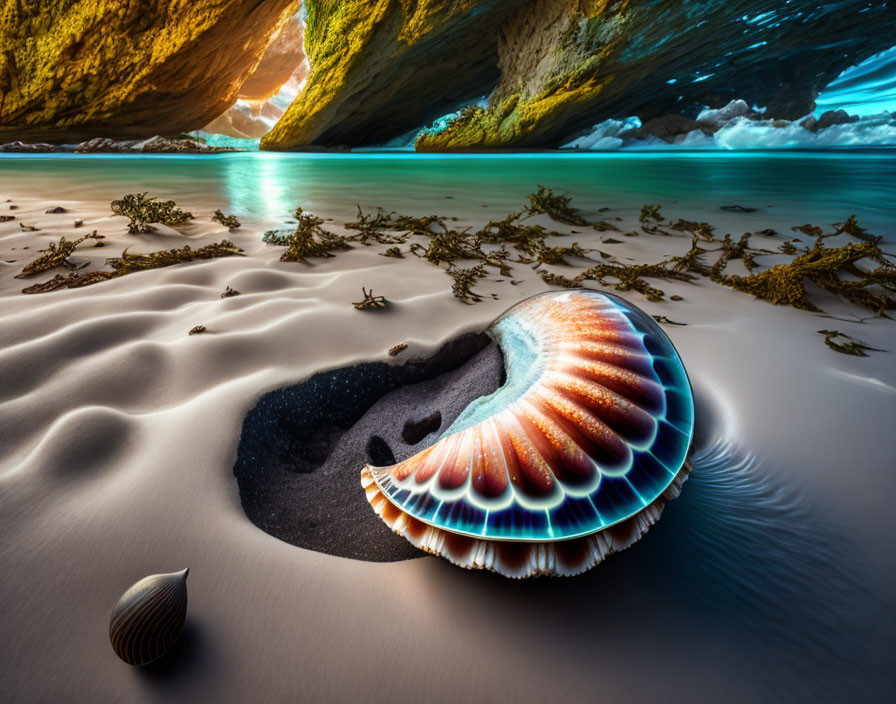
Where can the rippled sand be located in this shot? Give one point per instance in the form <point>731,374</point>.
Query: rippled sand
<point>769,579</point>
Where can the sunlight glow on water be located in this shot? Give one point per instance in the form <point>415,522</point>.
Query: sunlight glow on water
<point>792,186</point>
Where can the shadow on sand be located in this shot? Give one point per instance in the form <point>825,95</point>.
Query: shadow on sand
<point>739,558</point>
<point>191,659</point>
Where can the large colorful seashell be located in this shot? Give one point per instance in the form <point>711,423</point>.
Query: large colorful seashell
<point>148,618</point>
<point>573,458</point>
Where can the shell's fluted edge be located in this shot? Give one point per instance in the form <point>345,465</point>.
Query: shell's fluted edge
<point>149,617</point>
<point>592,425</point>
<point>520,560</point>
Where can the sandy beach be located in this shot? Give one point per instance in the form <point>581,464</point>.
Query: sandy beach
<point>119,434</point>
<point>450,351</point>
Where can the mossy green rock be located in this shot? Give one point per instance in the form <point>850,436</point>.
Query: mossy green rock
<point>553,68</point>
<point>76,69</point>
<point>380,68</point>
<point>569,65</point>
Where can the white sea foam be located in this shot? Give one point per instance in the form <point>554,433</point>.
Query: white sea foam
<point>743,133</point>
<point>604,137</point>
<point>736,108</point>
<point>738,131</point>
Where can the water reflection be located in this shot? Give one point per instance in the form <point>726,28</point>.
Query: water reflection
<point>792,186</point>
<point>257,187</point>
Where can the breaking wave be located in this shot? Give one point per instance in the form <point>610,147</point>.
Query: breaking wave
<point>742,132</point>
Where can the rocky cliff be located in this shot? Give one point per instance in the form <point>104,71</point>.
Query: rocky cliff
<point>555,67</point>
<point>568,65</point>
<point>264,94</point>
<point>380,68</point>
<point>284,60</point>
<point>74,69</point>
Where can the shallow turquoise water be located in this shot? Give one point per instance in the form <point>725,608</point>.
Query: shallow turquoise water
<point>795,187</point>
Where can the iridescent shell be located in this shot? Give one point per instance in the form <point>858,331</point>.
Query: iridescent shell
<point>571,459</point>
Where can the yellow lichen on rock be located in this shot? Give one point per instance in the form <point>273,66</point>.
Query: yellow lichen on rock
<point>423,16</point>
<point>283,61</point>
<point>336,36</point>
<point>552,69</point>
<point>384,69</point>
<point>73,69</point>
<point>367,51</point>
<point>543,81</point>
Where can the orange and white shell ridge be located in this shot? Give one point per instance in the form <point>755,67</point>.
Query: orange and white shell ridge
<point>592,426</point>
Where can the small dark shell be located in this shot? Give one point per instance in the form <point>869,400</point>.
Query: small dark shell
<point>149,617</point>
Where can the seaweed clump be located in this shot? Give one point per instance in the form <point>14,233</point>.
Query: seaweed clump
<point>623,277</point>
<point>56,254</point>
<point>487,246</point>
<point>651,219</point>
<point>529,240</point>
<point>464,280</point>
<point>692,260</point>
<point>309,239</point>
<point>851,227</point>
<point>557,206</point>
<point>276,237</point>
<point>143,212</point>
<point>442,244</point>
<point>663,319</point>
<point>702,230</point>
<point>369,301</point>
<point>734,250</point>
<point>371,226</point>
<point>448,246</point>
<point>512,240</point>
<point>785,284</point>
<point>228,221</point>
<point>131,263</point>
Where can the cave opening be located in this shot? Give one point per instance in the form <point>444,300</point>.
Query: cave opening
<point>278,79</point>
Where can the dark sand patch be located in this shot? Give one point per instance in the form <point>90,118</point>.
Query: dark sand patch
<point>302,448</point>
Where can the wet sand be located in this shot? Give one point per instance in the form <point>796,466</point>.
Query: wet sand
<point>768,579</point>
